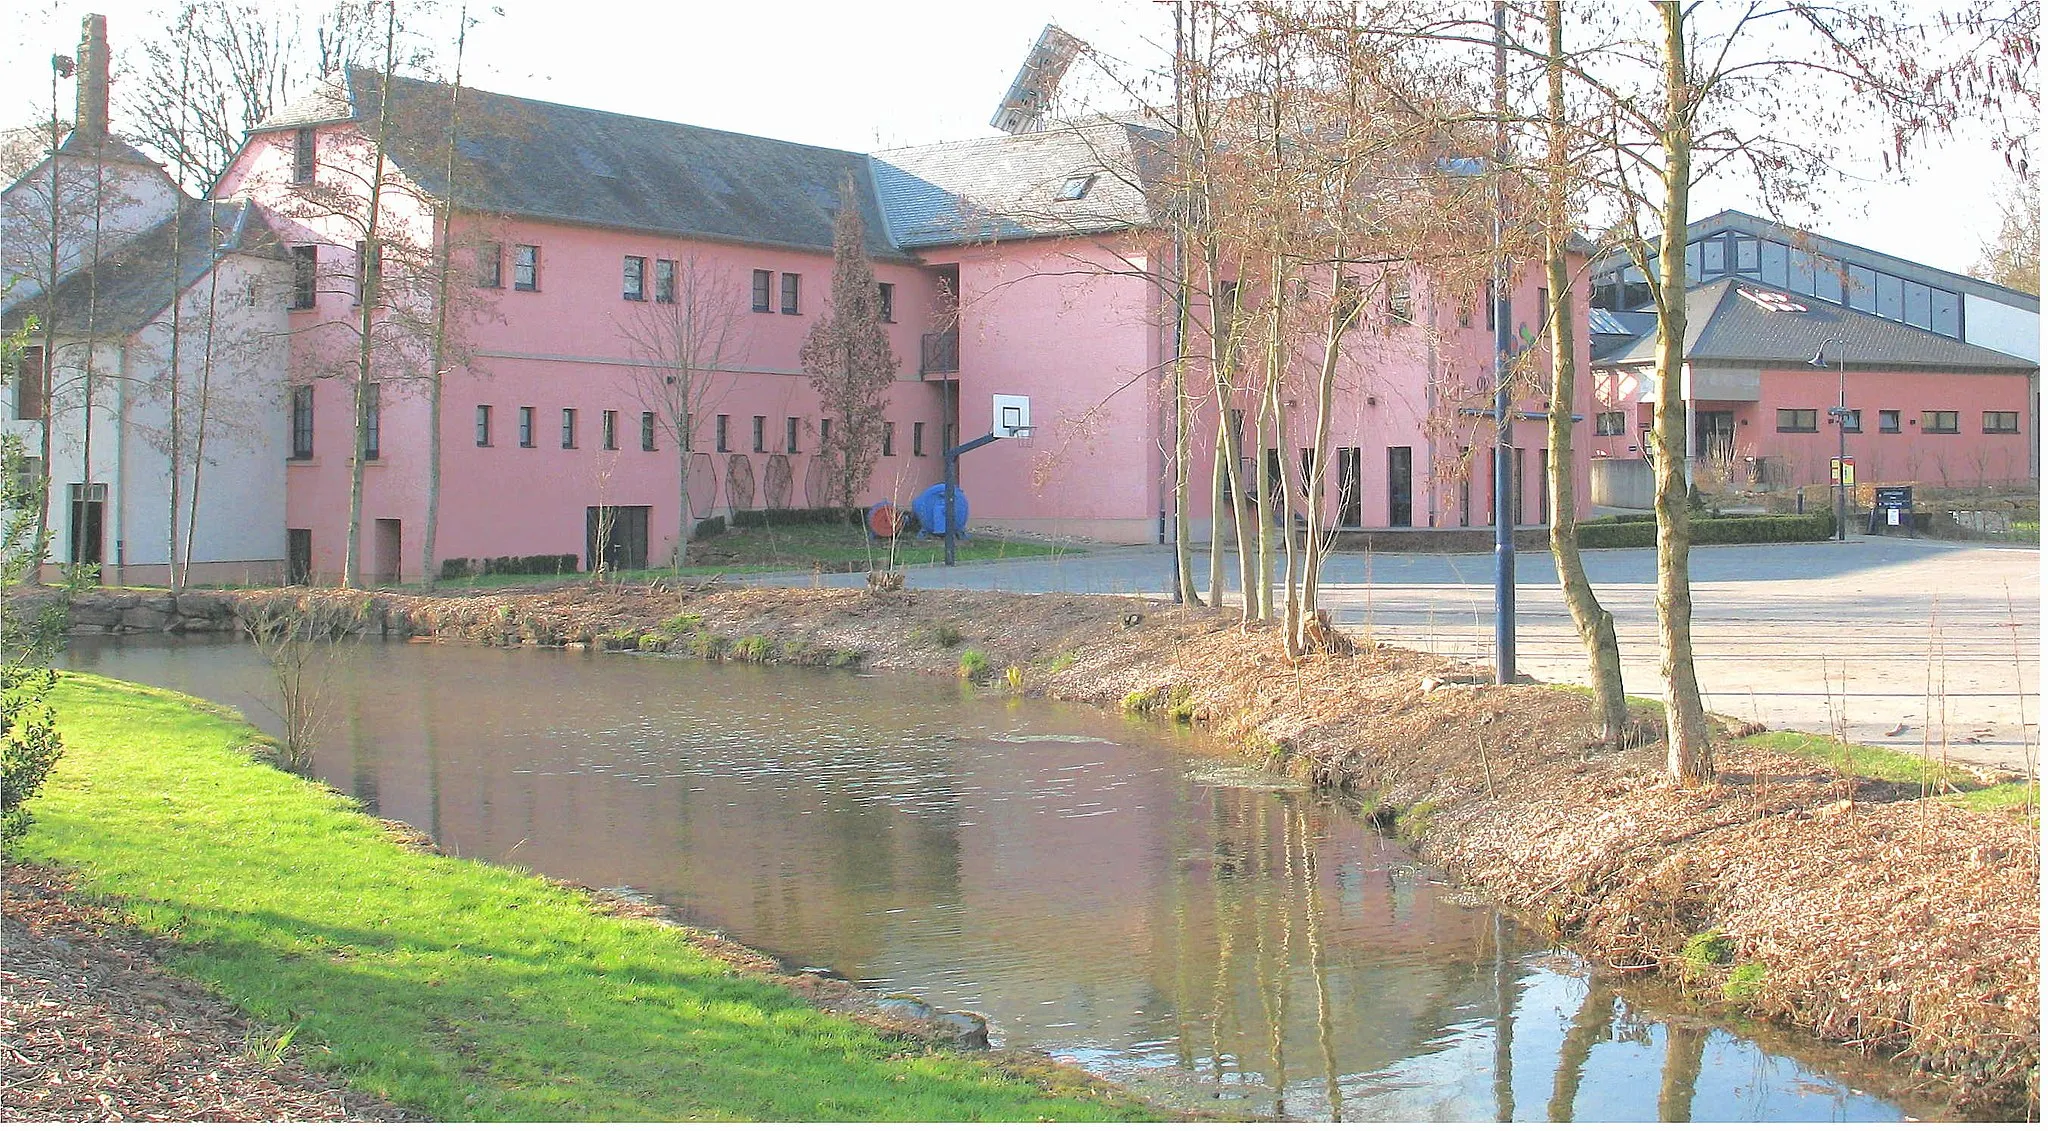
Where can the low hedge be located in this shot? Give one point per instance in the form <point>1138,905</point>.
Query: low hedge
<point>1818,526</point>
<point>455,569</point>
<point>800,516</point>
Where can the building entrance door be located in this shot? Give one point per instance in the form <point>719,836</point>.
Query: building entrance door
<point>1713,435</point>
<point>615,537</point>
<point>88,523</point>
<point>388,551</point>
<point>1400,486</point>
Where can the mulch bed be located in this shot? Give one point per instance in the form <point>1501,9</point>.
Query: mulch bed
<point>92,1029</point>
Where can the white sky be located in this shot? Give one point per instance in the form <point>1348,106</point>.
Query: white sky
<point>869,74</point>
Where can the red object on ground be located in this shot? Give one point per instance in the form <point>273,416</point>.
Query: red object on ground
<point>884,521</point>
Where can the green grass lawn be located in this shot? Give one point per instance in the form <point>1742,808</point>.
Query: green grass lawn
<point>804,546</point>
<point>1881,763</point>
<point>458,989</point>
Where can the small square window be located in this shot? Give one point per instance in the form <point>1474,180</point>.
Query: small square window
<point>1610,424</point>
<point>646,431</point>
<point>1852,420</point>
<point>483,426</point>
<point>525,267</point>
<point>1940,422</point>
<point>764,284</point>
<point>1798,420</point>
<point>490,265</point>
<point>635,282</point>
<point>1888,420</point>
<point>610,420</point>
<point>526,426</point>
<point>568,427</point>
<point>790,283</point>
<point>760,433</point>
<point>2001,422</point>
<point>664,280</point>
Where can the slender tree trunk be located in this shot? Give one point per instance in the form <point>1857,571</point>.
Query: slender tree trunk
<point>1595,624</point>
<point>1219,492</point>
<point>1326,395</point>
<point>352,565</point>
<point>199,429</point>
<point>42,549</point>
<point>1269,399</point>
<point>437,364</point>
<point>177,422</point>
<point>1689,756</point>
<point>1220,359</point>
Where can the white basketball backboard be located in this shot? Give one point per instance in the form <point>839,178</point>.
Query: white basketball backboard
<point>1012,416</point>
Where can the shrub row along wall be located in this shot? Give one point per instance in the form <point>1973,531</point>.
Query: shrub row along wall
<point>453,569</point>
<point>1818,526</point>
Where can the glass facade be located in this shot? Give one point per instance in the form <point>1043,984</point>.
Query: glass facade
<point>1786,267</point>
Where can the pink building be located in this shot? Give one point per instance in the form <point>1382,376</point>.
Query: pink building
<point>1027,264</point>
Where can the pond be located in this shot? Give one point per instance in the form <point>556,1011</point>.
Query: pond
<point>1112,892</point>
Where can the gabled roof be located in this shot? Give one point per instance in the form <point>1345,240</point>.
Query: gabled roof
<point>1012,187</point>
<point>545,161</point>
<point>135,284</point>
<point>1723,325</point>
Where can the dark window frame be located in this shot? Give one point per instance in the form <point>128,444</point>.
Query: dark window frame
<point>1801,420</point>
<point>568,429</point>
<point>490,266</point>
<point>302,422</point>
<point>373,430</point>
<point>764,290</point>
<point>1890,421</point>
<point>917,438</point>
<point>31,385</point>
<point>791,427</point>
<point>526,267</point>
<point>305,155</point>
<point>1852,421</point>
<point>1931,421</point>
<point>665,281</point>
<point>608,429</point>
<point>1602,420</point>
<point>305,276</point>
<point>483,426</point>
<point>760,433</point>
<point>633,279</point>
<point>792,292</point>
<point>724,432</point>
<point>526,437</point>
<point>646,431</point>
<point>888,437</point>
<point>887,293</point>
<point>2002,415</point>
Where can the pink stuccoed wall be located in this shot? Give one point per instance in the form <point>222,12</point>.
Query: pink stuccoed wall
<point>1969,457</point>
<point>565,345</point>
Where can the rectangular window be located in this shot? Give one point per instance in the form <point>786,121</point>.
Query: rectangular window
<point>1745,256</point>
<point>888,301</point>
<point>1919,304</point>
<point>760,433</point>
<point>1852,420</point>
<point>2002,422</point>
<point>789,292</point>
<point>1486,299</point>
<point>305,276</point>
<point>888,437</point>
<point>789,430</point>
<point>302,155</point>
<point>1798,420</point>
<point>31,385</point>
<point>646,431</point>
<point>917,438</point>
<point>1862,288</point>
<point>1542,312</point>
<point>483,426</point>
<point>1888,420</point>
<point>1827,278</point>
<point>302,422</point>
<point>1714,257</point>
<point>525,267</point>
<point>824,432</point>
<point>1948,318</point>
<point>373,432</point>
<point>610,420</point>
<point>1940,422</point>
<point>724,432</point>
<point>1692,263</point>
<point>1775,255</point>
<point>764,283</point>
<point>526,426</point>
<point>664,280</point>
<point>1800,274</point>
<point>1610,424</point>
<point>1890,297</point>
<point>1400,301</point>
<point>635,283</point>
<point>568,427</point>
<point>490,265</point>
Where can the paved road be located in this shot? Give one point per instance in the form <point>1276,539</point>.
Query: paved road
<point>1940,639</point>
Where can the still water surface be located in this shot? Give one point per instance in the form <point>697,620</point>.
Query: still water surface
<point>1102,889</point>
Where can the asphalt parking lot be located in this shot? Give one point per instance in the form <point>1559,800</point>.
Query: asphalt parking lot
<point>1915,644</point>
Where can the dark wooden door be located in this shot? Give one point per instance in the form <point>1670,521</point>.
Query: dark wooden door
<point>615,537</point>
<point>298,557</point>
<point>1400,486</point>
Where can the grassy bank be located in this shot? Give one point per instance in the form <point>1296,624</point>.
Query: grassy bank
<point>460,990</point>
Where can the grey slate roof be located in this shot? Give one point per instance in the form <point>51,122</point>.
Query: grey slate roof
<point>545,161</point>
<point>1007,187</point>
<point>1723,326</point>
<point>134,284</point>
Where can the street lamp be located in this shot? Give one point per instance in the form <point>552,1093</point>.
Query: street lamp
<point>1839,413</point>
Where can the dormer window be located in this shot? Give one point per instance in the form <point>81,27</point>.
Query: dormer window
<point>1076,187</point>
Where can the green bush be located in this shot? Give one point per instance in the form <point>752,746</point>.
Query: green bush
<point>683,624</point>
<point>708,528</point>
<point>973,664</point>
<point>800,516</point>
<point>456,569</point>
<point>1818,526</point>
<point>754,649</point>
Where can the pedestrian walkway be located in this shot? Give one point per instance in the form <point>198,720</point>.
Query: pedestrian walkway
<point>1917,645</point>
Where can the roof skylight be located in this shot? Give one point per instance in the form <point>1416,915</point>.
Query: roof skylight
<point>1076,187</point>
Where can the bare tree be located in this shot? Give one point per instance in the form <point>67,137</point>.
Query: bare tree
<point>689,342</point>
<point>2013,257</point>
<point>847,357</point>
<point>302,639</point>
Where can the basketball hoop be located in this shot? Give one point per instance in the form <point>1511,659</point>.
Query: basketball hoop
<point>1023,437</point>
